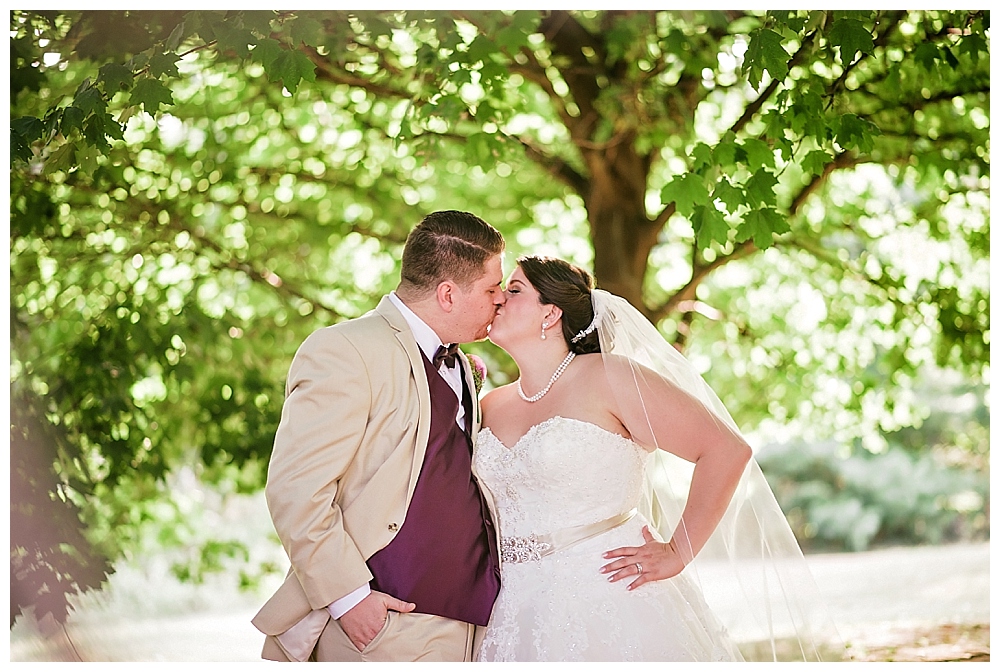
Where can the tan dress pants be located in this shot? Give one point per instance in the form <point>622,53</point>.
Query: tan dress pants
<point>405,637</point>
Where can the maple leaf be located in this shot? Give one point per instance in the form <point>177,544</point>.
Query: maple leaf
<point>30,128</point>
<point>686,191</point>
<point>90,100</point>
<point>115,77</point>
<point>236,39</point>
<point>61,159</point>
<point>765,53</point>
<point>815,162</point>
<point>266,51</point>
<point>755,225</point>
<point>290,68</point>
<point>728,194</point>
<point>306,30</point>
<point>760,189</point>
<point>759,154</point>
<point>150,93</point>
<point>852,37</point>
<point>709,225</point>
<point>702,155</point>
<point>163,64</point>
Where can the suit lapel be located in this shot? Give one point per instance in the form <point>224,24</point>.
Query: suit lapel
<point>419,377</point>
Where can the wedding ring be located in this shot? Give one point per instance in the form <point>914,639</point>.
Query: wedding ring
<point>638,567</point>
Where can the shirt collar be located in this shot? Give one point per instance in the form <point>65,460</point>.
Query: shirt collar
<point>426,338</point>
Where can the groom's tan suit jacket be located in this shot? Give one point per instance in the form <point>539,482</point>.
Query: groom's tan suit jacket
<point>347,454</point>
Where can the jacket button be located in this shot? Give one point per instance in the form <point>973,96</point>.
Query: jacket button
<point>393,527</point>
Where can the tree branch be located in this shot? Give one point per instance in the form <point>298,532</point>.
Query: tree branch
<point>698,274</point>
<point>754,107</point>
<point>555,166</point>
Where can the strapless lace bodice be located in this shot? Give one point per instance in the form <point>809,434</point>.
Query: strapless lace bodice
<point>562,473</point>
<point>559,607</point>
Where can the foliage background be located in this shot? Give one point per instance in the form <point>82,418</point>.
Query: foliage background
<point>799,199</point>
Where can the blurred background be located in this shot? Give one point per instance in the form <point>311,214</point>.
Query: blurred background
<point>798,199</point>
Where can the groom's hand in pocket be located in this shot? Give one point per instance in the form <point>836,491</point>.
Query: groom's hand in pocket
<point>366,618</point>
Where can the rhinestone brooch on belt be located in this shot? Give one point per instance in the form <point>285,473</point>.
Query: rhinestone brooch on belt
<point>523,549</point>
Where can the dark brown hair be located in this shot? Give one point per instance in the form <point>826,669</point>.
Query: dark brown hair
<point>448,245</point>
<point>568,286</point>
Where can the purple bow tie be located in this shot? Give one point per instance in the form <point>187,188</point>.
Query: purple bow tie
<point>447,355</point>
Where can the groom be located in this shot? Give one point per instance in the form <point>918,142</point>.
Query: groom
<point>392,547</point>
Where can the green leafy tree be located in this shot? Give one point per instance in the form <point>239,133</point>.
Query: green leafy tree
<point>799,198</point>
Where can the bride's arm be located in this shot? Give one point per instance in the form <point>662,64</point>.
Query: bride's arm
<point>659,415</point>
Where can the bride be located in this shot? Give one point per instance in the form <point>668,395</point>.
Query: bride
<point>625,495</point>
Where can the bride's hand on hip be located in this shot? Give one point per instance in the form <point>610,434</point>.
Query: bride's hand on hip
<point>653,561</point>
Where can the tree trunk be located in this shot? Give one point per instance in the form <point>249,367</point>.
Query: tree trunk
<point>622,234</point>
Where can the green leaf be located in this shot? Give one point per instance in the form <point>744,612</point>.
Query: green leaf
<point>90,101</point>
<point>291,67</point>
<point>765,53</point>
<point>114,128</point>
<point>481,49</point>
<point>815,162</point>
<point>86,158</point>
<point>266,51</point>
<point>789,18</point>
<point>728,194</point>
<point>852,37</point>
<point>760,189</point>
<point>775,124</point>
<point>306,31</point>
<point>761,225</point>
<point>949,57</point>
<point>759,154</point>
<point>94,133</point>
<point>30,128</point>
<point>150,94</point>
<point>237,40</point>
<point>259,22</point>
<point>115,78</point>
<point>61,159</point>
<point>926,54</point>
<point>856,132</point>
<point>20,149</point>
<point>973,45</point>
<point>164,64</point>
<point>511,38</point>
<point>176,36</point>
<point>686,191</point>
<point>72,118</point>
<point>709,225</point>
<point>725,152</point>
<point>701,155</point>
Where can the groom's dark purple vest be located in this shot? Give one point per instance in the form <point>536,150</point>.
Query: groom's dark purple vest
<point>444,557</point>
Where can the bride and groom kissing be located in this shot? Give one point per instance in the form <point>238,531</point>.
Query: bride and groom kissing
<point>423,525</point>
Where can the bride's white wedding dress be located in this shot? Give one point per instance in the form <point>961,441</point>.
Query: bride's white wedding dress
<point>561,474</point>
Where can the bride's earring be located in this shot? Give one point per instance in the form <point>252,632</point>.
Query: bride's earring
<point>545,325</point>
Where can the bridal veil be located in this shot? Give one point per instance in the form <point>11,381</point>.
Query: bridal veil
<point>751,571</point>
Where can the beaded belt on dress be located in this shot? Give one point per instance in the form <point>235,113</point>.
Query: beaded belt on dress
<point>537,546</point>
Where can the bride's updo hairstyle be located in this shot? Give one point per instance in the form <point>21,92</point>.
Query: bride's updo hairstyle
<point>563,284</point>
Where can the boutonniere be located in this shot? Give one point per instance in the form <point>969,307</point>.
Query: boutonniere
<point>478,371</point>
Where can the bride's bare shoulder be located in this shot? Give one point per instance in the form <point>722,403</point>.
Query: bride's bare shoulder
<point>497,397</point>
<point>597,364</point>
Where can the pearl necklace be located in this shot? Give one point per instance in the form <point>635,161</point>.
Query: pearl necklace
<point>555,376</point>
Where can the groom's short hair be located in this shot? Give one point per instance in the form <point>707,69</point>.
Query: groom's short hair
<point>448,245</point>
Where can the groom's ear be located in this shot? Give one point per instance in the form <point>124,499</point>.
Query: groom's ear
<point>445,292</point>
